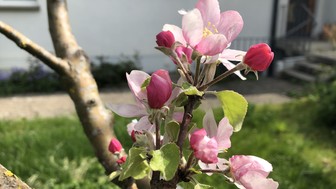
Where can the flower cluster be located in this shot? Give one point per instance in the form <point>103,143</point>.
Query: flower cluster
<point>164,109</point>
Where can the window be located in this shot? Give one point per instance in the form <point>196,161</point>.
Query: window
<point>19,4</point>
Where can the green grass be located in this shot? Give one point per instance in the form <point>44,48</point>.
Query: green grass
<point>54,153</point>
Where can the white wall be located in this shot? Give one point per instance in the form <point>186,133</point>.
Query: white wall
<point>112,27</point>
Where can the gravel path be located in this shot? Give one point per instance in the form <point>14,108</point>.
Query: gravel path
<point>264,91</point>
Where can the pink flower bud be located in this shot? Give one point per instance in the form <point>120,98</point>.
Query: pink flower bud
<point>121,160</point>
<point>251,172</point>
<point>159,89</point>
<point>165,39</point>
<point>259,57</point>
<point>115,146</point>
<point>205,148</point>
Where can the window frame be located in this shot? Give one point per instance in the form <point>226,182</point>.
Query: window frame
<point>19,4</point>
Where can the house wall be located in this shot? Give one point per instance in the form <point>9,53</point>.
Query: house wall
<point>111,27</point>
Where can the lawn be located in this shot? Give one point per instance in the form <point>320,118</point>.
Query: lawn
<point>54,153</point>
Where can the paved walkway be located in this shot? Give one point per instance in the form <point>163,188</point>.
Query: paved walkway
<point>264,91</point>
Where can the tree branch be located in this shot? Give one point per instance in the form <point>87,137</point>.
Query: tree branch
<point>9,181</point>
<point>26,44</point>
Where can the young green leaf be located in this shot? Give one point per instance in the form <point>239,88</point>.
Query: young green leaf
<point>189,90</point>
<point>136,165</point>
<point>166,160</point>
<point>172,130</point>
<point>234,106</point>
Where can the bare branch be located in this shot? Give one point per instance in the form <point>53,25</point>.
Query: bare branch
<point>60,30</point>
<point>26,44</point>
<point>9,181</point>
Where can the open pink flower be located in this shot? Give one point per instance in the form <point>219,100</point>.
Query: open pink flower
<point>205,148</point>
<point>207,30</point>
<point>259,57</point>
<point>211,140</point>
<point>251,172</point>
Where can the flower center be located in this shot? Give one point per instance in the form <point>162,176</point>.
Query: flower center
<point>210,29</point>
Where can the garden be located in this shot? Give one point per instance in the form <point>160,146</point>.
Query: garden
<point>165,138</point>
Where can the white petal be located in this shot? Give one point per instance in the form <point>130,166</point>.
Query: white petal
<point>209,124</point>
<point>177,32</point>
<point>128,110</point>
<point>192,27</point>
<point>229,66</point>
<point>224,133</point>
<point>144,125</point>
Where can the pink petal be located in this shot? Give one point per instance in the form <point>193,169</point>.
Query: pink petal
<point>222,164</point>
<point>130,126</point>
<point>231,24</point>
<point>144,125</point>
<point>196,137</point>
<point>254,180</point>
<point>206,150</point>
<point>135,80</point>
<point>212,45</point>
<point>176,91</point>
<point>177,32</point>
<point>128,110</point>
<point>209,124</point>
<point>192,27</point>
<point>207,166</point>
<point>224,133</point>
<point>178,116</point>
<point>229,66</point>
<point>209,10</point>
<point>233,55</point>
<point>240,165</point>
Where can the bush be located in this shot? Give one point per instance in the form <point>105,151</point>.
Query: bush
<point>325,102</point>
<point>37,79</point>
<point>108,74</point>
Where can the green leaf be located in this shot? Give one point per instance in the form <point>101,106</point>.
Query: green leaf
<point>166,160</point>
<point>172,130</point>
<point>145,83</point>
<point>181,100</point>
<point>136,164</point>
<point>234,106</point>
<point>203,186</point>
<point>189,90</point>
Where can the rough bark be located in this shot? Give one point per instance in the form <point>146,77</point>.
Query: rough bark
<point>73,66</point>
<point>10,181</point>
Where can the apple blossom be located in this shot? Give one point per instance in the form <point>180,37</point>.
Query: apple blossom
<point>209,141</point>
<point>165,39</point>
<point>205,148</point>
<point>258,57</point>
<point>121,160</point>
<point>250,172</point>
<point>206,29</point>
<point>115,146</point>
<point>159,89</point>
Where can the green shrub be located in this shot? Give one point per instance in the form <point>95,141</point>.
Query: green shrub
<point>109,74</point>
<point>325,105</point>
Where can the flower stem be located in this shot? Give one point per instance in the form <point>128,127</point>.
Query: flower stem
<point>238,67</point>
<point>188,109</point>
<point>180,64</point>
<point>157,131</point>
<point>198,64</point>
<point>225,171</point>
